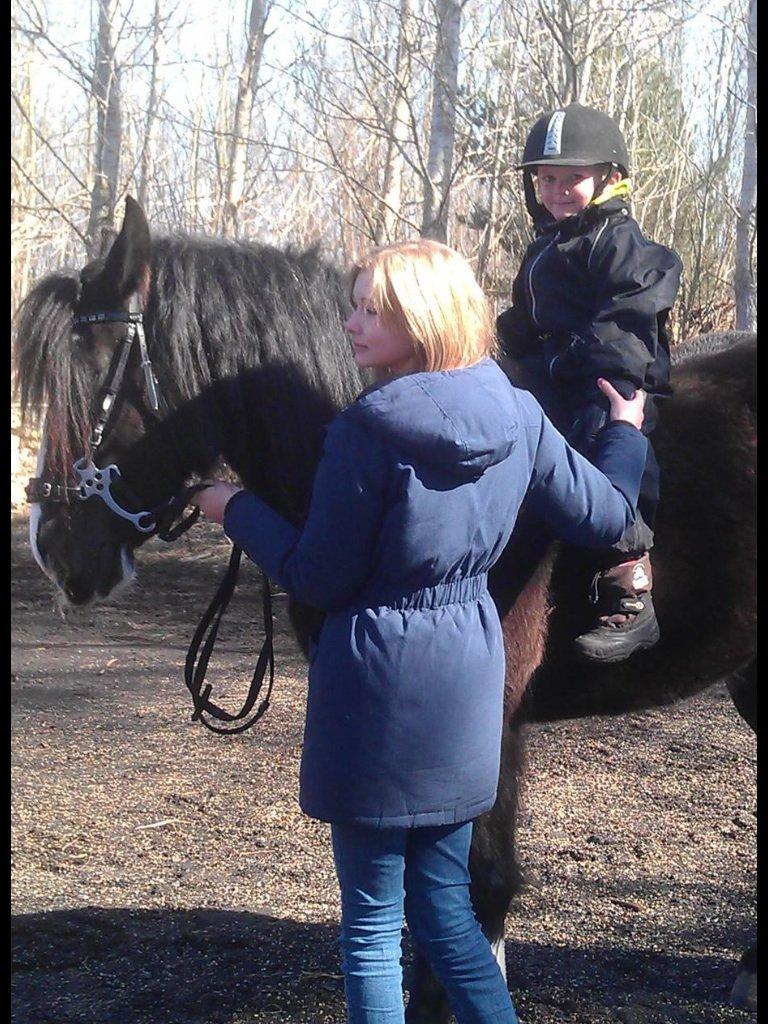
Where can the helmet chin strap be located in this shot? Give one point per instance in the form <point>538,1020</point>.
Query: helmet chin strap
<point>601,185</point>
<point>532,205</point>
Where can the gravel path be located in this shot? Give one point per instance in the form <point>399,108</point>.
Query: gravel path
<point>164,875</point>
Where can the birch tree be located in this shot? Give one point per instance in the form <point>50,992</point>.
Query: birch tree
<point>398,133</point>
<point>106,154</point>
<point>442,135</point>
<point>146,159</point>
<point>363,125</point>
<point>242,119</point>
<point>743,279</point>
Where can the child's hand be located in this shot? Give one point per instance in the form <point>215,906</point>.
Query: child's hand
<point>629,409</point>
<point>213,500</point>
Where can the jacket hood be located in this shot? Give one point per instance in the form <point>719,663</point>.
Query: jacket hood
<point>458,421</point>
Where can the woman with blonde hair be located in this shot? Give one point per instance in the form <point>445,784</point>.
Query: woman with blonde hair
<point>414,499</point>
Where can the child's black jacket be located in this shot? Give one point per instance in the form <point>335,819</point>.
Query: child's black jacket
<point>591,300</point>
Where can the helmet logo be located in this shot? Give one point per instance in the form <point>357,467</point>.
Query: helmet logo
<point>554,134</point>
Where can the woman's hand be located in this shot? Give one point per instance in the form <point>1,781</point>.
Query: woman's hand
<point>213,500</point>
<point>631,410</point>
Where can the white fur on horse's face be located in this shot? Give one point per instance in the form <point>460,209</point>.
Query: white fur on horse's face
<point>127,564</point>
<point>35,515</point>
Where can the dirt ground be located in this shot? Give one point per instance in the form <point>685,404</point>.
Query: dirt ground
<point>165,875</point>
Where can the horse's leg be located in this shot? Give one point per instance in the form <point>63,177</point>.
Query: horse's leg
<point>496,874</point>
<point>742,687</point>
<point>744,991</point>
<point>496,878</point>
<point>427,1002</point>
<point>519,585</point>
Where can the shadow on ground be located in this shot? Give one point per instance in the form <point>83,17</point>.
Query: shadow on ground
<point>124,966</point>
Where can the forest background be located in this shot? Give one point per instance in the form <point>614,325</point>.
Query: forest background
<point>356,121</point>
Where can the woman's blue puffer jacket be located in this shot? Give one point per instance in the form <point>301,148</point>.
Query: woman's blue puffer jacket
<point>414,499</point>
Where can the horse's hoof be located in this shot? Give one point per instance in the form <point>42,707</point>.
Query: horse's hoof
<point>744,991</point>
<point>428,1006</point>
<point>428,1017</point>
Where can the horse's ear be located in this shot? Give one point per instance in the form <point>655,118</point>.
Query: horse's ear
<point>126,268</point>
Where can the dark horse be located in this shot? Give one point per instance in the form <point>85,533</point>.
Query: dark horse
<point>252,362</point>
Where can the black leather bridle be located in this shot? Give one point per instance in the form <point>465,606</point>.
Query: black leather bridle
<point>161,521</point>
<point>92,480</point>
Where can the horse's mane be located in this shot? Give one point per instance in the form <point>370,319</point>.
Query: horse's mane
<point>707,344</point>
<point>215,310</point>
<point>51,374</point>
<point>223,307</point>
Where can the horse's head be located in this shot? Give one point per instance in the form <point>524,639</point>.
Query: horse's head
<point>78,363</point>
<point>253,362</point>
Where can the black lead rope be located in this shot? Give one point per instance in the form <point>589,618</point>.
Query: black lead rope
<point>201,648</point>
<point>204,639</point>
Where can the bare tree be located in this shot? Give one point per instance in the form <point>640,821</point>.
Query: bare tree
<point>362,125</point>
<point>399,129</point>
<point>437,186</point>
<point>743,278</point>
<point>145,161</point>
<point>241,122</point>
<point>106,93</point>
<point>23,146</point>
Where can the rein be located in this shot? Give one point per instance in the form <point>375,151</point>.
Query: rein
<point>204,638</point>
<point>161,521</point>
<point>197,660</point>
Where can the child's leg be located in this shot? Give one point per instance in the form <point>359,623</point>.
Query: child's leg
<point>620,590</point>
<point>369,865</point>
<point>443,925</point>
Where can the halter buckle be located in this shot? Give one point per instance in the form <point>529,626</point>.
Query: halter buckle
<point>39,490</point>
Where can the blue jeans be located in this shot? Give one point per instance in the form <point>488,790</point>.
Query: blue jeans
<point>422,873</point>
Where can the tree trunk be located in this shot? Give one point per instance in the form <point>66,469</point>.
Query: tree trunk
<point>386,227</point>
<point>241,127</point>
<point>193,204</point>
<point>106,164</point>
<point>437,187</point>
<point>145,169</point>
<point>743,279</point>
<point>22,223</point>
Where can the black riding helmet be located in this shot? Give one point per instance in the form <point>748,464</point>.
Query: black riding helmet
<point>573,136</point>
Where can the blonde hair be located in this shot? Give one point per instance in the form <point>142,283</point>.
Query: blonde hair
<point>430,291</point>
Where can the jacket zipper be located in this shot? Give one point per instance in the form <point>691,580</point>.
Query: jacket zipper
<point>530,277</point>
<point>603,226</point>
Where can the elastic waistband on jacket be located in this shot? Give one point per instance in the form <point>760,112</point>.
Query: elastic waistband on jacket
<point>456,592</point>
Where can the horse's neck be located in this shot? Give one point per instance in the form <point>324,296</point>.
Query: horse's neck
<point>182,445</point>
<point>267,425</point>
<point>266,422</point>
